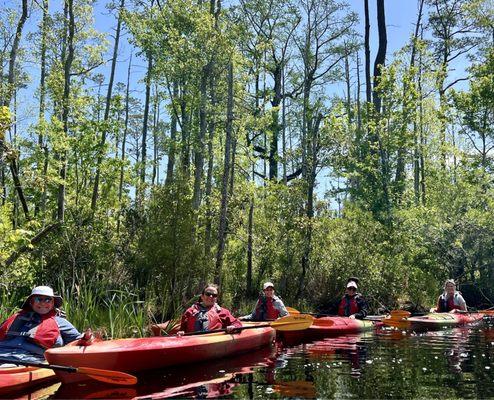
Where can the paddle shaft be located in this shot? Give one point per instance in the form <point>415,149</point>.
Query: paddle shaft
<point>224,330</point>
<point>39,365</point>
<point>108,376</point>
<point>290,323</point>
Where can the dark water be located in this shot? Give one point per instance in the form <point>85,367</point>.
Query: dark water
<point>384,364</point>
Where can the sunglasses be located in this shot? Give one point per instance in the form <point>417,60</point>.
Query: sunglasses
<point>209,294</point>
<point>42,299</point>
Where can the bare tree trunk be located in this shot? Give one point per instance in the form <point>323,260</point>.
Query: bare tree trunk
<point>368,82</point>
<point>65,109</point>
<point>145,123</point>
<point>408,109</point>
<point>94,197</point>
<point>185,133</point>
<point>6,102</point>
<point>250,244</point>
<point>209,177</point>
<point>224,182</point>
<point>173,137</point>
<point>155,135</point>
<point>42,94</point>
<point>199,142</point>
<point>124,142</point>
<point>381,52</point>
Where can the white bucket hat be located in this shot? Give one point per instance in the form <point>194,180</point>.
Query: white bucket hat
<point>43,291</point>
<point>266,285</point>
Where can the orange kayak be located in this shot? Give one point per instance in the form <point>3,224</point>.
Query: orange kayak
<point>133,355</point>
<point>14,379</point>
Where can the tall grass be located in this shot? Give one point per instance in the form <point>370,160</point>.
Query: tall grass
<point>114,313</point>
<point>111,312</point>
<point>9,303</point>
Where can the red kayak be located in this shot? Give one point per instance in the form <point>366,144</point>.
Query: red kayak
<point>328,327</point>
<point>133,355</point>
<point>15,379</point>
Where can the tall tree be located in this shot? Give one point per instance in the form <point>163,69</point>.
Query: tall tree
<point>94,197</point>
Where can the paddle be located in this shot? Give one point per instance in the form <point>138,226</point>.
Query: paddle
<point>103,375</point>
<point>397,319</point>
<point>288,323</point>
<point>323,322</point>
<point>292,310</point>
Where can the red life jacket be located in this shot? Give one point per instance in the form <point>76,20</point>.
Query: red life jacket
<point>446,304</point>
<point>214,320</point>
<point>353,306</point>
<point>45,334</point>
<point>265,309</point>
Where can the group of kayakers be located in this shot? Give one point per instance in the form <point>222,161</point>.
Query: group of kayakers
<point>40,325</point>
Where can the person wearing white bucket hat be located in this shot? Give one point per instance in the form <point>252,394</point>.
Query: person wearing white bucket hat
<point>26,334</point>
<point>352,304</point>
<point>268,307</point>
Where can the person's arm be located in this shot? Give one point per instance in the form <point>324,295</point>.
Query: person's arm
<point>68,332</point>
<point>252,315</point>
<point>278,304</point>
<point>463,303</point>
<point>228,320</point>
<point>362,305</point>
<point>438,305</point>
<point>184,321</point>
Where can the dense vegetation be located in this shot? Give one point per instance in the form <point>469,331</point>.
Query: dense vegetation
<point>215,170</point>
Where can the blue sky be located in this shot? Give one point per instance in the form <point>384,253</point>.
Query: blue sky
<point>401,16</point>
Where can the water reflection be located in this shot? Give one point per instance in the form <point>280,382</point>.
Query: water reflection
<point>384,364</point>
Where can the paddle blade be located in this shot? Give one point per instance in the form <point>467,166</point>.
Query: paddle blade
<point>103,375</point>
<point>292,310</point>
<point>399,324</point>
<point>400,314</point>
<point>292,323</point>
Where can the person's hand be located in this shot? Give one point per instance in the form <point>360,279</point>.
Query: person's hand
<point>433,309</point>
<point>87,337</point>
<point>352,316</point>
<point>232,329</point>
<point>180,333</point>
<point>453,311</point>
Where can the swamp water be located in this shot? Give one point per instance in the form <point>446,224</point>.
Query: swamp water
<point>381,364</point>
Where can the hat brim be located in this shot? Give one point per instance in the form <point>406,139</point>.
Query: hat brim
<point>57,301</point>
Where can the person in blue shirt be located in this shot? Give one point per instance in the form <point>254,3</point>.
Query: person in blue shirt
<point>38,326</point>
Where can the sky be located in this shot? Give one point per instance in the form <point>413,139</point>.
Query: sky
<point>401,17</point>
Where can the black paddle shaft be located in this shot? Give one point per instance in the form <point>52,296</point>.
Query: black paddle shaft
<point>39,365</point>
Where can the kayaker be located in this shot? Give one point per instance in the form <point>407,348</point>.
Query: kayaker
<point>207,315</point>
<point>352,304</point>
<point>37,327</point>
<point>268,307</point>
<point>450,300</point>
